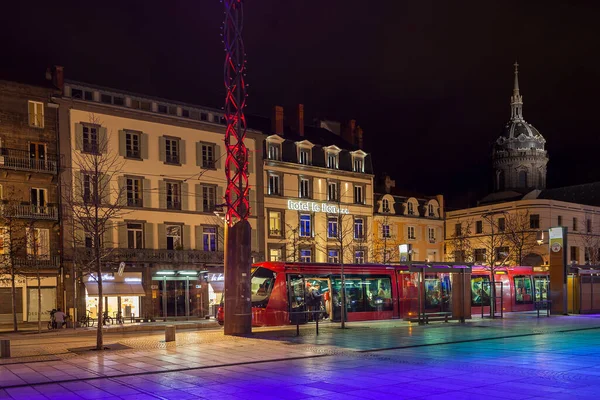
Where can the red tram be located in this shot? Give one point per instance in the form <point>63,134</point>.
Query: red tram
<point>281,292</point>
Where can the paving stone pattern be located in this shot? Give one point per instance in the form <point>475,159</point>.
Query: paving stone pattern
<point>519,357</point>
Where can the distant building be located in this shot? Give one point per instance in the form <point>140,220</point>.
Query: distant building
<point>510,226</point>
<point>29,193</point>
<point>403,218</point>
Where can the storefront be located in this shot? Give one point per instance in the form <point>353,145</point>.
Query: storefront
<point>180,294</point>
<point>27,298</point>
<point>216,283</point>
<point>120,292</point>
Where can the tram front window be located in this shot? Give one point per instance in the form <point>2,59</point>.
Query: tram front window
<point>261,286</point>
<point>540,284</point>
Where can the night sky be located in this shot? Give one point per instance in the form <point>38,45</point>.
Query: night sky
<point>428,81</point>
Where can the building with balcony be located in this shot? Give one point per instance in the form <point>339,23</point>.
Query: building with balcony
<point>165,179</point>
<point>318,192</point>
<point>403,218</point>
<point>29,197</point>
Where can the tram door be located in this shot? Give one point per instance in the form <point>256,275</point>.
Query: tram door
<point>540,288</point>
<point>301,300</point>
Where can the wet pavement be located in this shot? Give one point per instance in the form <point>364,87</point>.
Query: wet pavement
<point>519,357</point>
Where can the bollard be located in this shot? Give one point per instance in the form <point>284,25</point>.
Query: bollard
<point>4,348</point>
<point>170,333</point>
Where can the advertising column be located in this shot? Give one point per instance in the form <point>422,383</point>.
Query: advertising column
<point>558,269</point>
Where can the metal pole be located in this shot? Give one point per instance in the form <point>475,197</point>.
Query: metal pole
<point>164,298</point>
<point>187,298</point>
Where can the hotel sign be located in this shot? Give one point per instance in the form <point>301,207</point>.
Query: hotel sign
<point>312,206</point>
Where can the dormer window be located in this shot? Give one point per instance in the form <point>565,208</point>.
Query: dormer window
<point>410,208</point>
<point>430,210</point>
<point>304,156</point>
<point>304,152</point>
<point>332,156</point>
<point>385,205</point>
<point>358,161</point>
<point>332,160</point>
<point>274,152</point>
<point>359,165</point>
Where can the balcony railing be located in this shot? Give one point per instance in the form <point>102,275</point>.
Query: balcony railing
<point>21,160</point>
<point>29,211</point>
<point>154,255</point>
<point>32,262</point>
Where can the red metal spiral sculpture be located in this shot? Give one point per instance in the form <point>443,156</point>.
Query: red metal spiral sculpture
<point>236,164</point>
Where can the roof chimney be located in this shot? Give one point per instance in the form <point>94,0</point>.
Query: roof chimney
<point>277,120</point>
<point>358,136</point>
<point>348,132</point>
<point>58,78</point>
<point>299,122</point>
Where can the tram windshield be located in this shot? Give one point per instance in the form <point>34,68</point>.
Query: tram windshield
<point>261,285</point>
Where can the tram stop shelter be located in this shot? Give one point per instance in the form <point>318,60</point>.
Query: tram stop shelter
<point>443,291</point>
<point>583,289</point>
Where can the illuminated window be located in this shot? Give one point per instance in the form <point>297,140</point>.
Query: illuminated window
<point>386,231</point>
<point>332,227</point>
<point>135,236</point>
<point>209,238</point>
<point>173,195</point>
<point>332,191</point>
<point>385,205</point>
<point>359,228</point>
<point>275,223</point>
<point>275,255</point>
<point>38,243</point>
<point>274,152</point>
<point>275,184</point>
<point>305,225</point>
<point>359,194</point>
<point>305,255</point>
<point>333,256</point>
<point>36,114</point>
<point>332,160</point>
<point>304,188</point>
<point>172,151</point>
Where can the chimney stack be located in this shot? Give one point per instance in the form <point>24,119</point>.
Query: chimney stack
<point>348,132</point>
<point>58,78</point>
<point>358,136</point>
<point>277,120</point>
<point>299,122</point>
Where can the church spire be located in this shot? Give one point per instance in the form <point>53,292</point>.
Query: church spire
<point>516,100</point>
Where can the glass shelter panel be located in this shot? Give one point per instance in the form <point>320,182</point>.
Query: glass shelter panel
<point>523,290</point>
<point>480,290</point>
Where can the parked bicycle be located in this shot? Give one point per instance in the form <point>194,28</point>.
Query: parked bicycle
<point>52,322</point>
<point>86,321</point>
<point>107,319</point>
<point>119,319</point>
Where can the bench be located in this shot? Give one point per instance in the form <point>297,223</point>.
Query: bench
<point>543,305</point>
<point>434,316</point>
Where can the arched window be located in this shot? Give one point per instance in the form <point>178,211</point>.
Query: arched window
<point>523,179</point>
<point>385,204</point>
<point>500,184</point>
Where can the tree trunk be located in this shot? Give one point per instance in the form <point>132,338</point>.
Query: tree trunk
<point>14,299</point>
<point>39,302</point>
<point>99,333</point>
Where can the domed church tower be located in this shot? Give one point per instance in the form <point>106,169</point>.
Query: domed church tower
<point>519,157</point>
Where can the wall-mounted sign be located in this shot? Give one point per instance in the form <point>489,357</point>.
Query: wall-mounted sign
<point>312,206</point>
<point>105,277</point>
<point>216,277</point>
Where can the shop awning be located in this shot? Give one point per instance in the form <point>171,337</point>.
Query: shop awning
<point>217,286</point>
<point>115,289</point>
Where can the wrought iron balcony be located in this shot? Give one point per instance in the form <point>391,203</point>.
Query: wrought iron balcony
<point>21,160</point>
<point>46,212</point>
<point>31,262</point>
<point>155,255</point>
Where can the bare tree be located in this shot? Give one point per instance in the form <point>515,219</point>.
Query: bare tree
<point>92,204</point>
<point>460,247</point>
<point>385,249</point>
<point>519,235</point>
<point>591,242</point>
